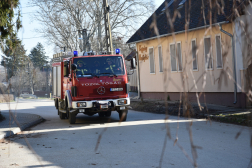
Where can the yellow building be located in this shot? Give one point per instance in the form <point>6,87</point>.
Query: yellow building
<point>188,48</point>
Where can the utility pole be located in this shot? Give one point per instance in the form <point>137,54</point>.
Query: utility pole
<point>47,81</point>
<point>99,15</point>
<point>108,37</point>
<point>84,38</point>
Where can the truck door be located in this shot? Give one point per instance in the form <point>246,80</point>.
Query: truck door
<point>66,77</point>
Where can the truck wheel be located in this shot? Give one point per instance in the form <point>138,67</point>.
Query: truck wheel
<point>108,113</point>
<point>62,115</point>
<point>72,118</point>
<point>56,102</point>
<point>101,114</point>
<point>123,115</point>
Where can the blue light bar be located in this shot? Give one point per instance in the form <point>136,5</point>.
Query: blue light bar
<point>75,53</point>
<point>117,51</point>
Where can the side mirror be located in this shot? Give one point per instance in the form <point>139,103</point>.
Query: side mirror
<point>74,67</point>
<point>133,63</point>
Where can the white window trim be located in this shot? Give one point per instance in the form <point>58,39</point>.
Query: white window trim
<point>170,57</point>
<point>211,49</point>
<point>162,59</point>
<point>153,59</point>
<point>216,51</point>
<point>177,60</point>
<point>179,42</point>
<point>196,55</point>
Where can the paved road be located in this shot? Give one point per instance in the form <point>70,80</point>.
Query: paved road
<point>135,143</point>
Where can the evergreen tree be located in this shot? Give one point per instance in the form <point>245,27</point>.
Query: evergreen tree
<point>38,57</point>
<point>8,28</point>
<point>14,58</point>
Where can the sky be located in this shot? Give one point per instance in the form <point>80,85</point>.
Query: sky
<point>28,34</point>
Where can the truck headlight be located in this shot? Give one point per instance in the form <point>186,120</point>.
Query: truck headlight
<point>82,104</point>
<point>123,101</point>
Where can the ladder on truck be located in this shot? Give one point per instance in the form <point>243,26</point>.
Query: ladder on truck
<point>108,37</point>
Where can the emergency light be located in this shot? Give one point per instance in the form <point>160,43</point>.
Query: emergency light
<point>75,53</point>
<point>117,51</point>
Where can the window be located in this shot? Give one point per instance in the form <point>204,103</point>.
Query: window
<point>152,63</point>
<point>179,57</point>
<point>173,58</point>
<point>218,52</point>
<point>160,59</point>
<point>99,66</point>
<point>168,5</point>
<point>176,54</point>
<point>194,55</point>
<point>208,53</point>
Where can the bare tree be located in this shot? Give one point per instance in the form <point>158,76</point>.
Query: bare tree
<point>70,23</point>
<point>28,78</point>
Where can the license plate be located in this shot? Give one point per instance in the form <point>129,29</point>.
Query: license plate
<point>122,108</point>
<point>81,110</point>
<point>103,106</point>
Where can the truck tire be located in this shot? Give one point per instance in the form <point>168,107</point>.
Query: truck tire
<point>101,114</point>
<point>108,113</point>
<point>56,102</point>
<point>72,118</point>
<point>62,115</point>
<point>123,115</point>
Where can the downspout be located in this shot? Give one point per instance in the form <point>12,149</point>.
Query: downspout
<point>138,75</point>
<point>234,62</point>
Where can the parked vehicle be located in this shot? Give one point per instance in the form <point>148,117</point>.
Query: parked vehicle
<point>90,84</point>
<point>31,96</point>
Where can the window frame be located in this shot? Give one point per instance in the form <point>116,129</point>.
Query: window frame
<point>179,42</point>
<point>150,59</point>
<point>216,51</point>
<point>211,51</point>
<point>159,59</point>
<point>196,56</point>
<point>177,60</point>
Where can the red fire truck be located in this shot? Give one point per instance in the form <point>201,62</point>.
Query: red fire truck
<point>90,84</point>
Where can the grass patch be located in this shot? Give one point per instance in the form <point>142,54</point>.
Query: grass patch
<point>43,97</point>
<point>236,118</point>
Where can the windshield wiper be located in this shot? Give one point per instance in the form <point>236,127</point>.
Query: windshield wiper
<point>93,75</point>
<point>109,73</point>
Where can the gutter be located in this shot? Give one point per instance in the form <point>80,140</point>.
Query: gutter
<point>138,76</point>
<point>234,61</point>
<point>197,28</point>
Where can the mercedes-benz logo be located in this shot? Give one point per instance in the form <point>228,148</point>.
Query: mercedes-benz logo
<point>101,90</point>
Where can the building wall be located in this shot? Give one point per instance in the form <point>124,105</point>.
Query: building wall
<point>217,85</point>
<point>216,80</point>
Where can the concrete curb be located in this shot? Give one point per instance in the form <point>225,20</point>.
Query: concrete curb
<point>26,122</point>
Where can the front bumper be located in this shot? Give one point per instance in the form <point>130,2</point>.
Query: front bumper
<point>90,104</point>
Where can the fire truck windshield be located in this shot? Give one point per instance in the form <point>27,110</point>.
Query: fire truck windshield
<point>99,66</point>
